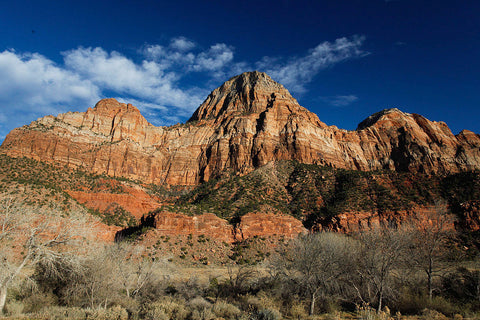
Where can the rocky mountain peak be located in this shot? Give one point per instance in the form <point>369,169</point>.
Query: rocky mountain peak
<point>257,79</point>
<point>249,92</point>
<point>112,107</point>
<point>374,118</point>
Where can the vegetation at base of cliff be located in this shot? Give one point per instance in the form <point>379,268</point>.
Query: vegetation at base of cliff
<point>115,215</point>
<point>254,250</point>
<point>230,196</point>
<point>312,192</point>
<point>32,172</point>
<point>45,184</point>
<point>167,193</point>
<point>306,191</point>
<point>461,187</point>
<point>316,276</point>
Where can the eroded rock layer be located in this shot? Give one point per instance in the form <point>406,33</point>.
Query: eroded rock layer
<point>247,122</point>
<point>209,225</point>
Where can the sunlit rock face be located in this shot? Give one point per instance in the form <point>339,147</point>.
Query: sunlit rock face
<point>246,123</point>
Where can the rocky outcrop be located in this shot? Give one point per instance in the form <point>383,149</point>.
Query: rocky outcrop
<point>417,217</point>
<point>136,202</point>
<point>268,224</point>
<point>259,224</point>
<point>207,224</point>
<point>469,213</point>
<point>211,226</point>
<point>247,122</point>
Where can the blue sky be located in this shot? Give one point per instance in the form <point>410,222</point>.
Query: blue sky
<point>343,59</point>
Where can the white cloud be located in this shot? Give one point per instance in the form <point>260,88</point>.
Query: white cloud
<point>156,81</point>
<point>31,82</point>
<point>182,44</point>
<point>147,80</point>
<point>32,86</point>
<point>296,72</point>
<point>215,58</point>
<point>182,53</point>
<point>168,57</point>
<point>340,101</point>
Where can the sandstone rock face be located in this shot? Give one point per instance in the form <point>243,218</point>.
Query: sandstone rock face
<point>470,215</point>
<point>209,225</point>
<point>247,122</point>
<point>349,222</point>
<point>268,224</point>
<point>136,202</point>
<point>106,233</point>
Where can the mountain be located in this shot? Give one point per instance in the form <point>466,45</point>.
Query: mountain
<point>244,124</point>
<point>249,162</point>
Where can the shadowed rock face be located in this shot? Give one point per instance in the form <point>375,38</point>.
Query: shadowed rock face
<point>247,122</point>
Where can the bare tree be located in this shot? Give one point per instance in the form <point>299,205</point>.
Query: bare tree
<point>379,259</point>
<point>240,279</point>
<point>110,272</point>
<point>28,235</point>
<point>315,262</point>
<point>97,284</point>
<point>429,249</point>
<point>133,270</point>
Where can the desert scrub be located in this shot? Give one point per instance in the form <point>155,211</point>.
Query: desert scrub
<point>166,308</point>
<point>60,313</point>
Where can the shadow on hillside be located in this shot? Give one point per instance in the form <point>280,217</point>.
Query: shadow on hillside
<point>131,233</point>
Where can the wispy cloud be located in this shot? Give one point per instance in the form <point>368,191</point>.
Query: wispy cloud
<point>182,44</point>
<point>296,72</point>
<point>185,56</point>
<point>32,86</point>
<point>31,80</point>
<point>157,80</point>
<point>340,100</point>
<point>148,80</point>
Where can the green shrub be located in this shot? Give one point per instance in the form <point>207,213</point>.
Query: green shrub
<point>226,310</point>
<point>201,309</point>
<point>266,314</point>
<point>60,313</point>
<point>166,308</point>
<point>298,311</point>
<point>416,303</point>
<point>114,313</point>
<point>367,313</point>
<point>38,301</point>
<point>14,308</point>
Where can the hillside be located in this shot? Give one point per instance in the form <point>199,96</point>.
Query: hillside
<point>117,201</point>
<point>322,196</point>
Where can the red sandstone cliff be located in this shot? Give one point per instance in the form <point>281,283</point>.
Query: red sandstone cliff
<point>252,224</point>
<point>247,122</point>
